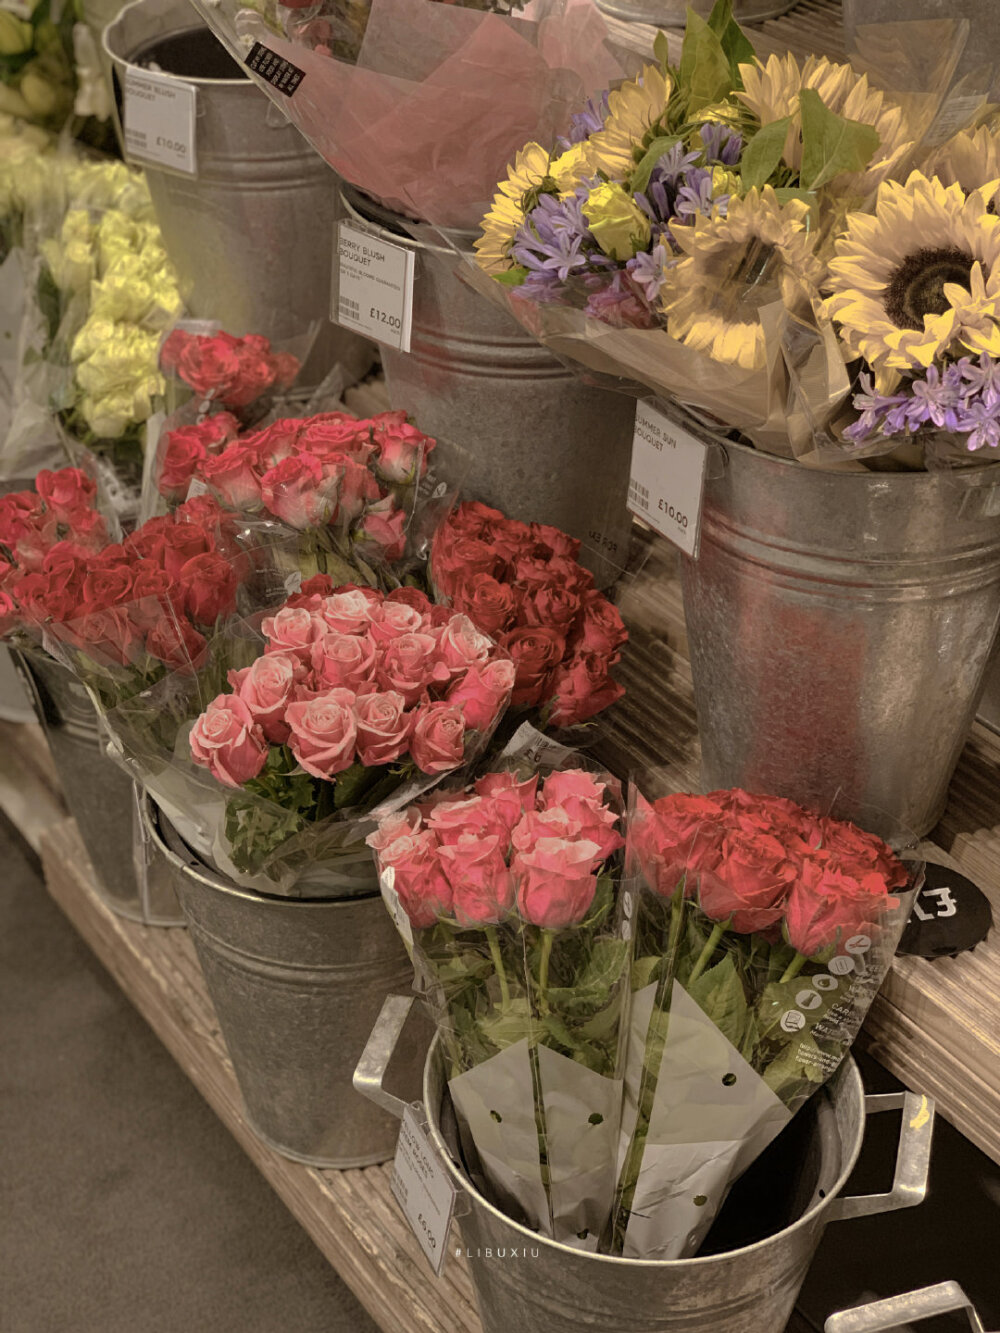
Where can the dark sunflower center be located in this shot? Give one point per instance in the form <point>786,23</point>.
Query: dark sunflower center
<point>916,288</point>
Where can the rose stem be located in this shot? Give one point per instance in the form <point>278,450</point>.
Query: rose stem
<point>794,968</point>
<point>543,970</point>
<point>710,946</point>
<point>494,943</point>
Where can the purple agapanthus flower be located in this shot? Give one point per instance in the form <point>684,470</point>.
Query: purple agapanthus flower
<point>936,398</point>
<point>962,398</point>
<point>982,376</point>
<point>695,195</point>
<point>979,421</point>
<point>551,237</point>
<point>721,144</point>
<point>646,271</point>
<point>586,122</point>
<point>618,303</point>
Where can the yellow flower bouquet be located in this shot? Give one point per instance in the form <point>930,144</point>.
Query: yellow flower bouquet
<point>691,230</point>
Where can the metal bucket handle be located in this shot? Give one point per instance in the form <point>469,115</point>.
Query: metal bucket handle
<point>913,1158</point>
<point>882,1316</point>
<point>913,1155</point>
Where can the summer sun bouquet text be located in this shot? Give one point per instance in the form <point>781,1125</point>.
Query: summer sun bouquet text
<point>510,896</point>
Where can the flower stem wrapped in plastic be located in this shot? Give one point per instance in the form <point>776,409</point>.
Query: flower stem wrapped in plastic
<point>510,895</point>
<point>763,933</point>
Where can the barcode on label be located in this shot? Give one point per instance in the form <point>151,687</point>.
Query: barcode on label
<point>639,494</point>
<point>349,307</point>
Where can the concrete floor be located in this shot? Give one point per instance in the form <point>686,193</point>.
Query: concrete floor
<point>126,1206</point>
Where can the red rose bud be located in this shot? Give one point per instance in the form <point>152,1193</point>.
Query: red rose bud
<point>827,906</point>
<point>66,491</point>
<point>536,652</point>
<point>209,585</point>
<point>176,643</point>
<point>750,884</point>
<point>581,689</point>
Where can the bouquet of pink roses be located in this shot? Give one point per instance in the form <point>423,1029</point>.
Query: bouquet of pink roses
<point>337,702</point>
<point>349,483</point>
<point>763,933</point>
<point>509,894</point>
<point>524,584</point>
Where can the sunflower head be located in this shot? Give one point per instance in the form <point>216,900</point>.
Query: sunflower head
<point>526,179</point>
<point>634,109</point>
<point>917,278</point>
<point>759,253</point>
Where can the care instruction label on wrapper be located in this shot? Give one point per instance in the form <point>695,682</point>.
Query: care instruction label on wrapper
<point>667,478</point>
<point>423,1189</point>
<point>374,287</point>
<point>160,120</point>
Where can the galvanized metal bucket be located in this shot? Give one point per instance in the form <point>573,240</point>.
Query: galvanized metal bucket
<point>251,235</point>
<point>901,1311</point>
<point>534,1285</point>
<point>543,447</point>
<point>840,624</point>
<point>101,797</point>
<point>15,700</point>
<point>296,984</point>
<point>673,13</point>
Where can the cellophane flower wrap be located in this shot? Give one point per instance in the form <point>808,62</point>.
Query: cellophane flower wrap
<point>510,895</point>
<point>523,583</point>
<point>304,720</point>
<point>763,932</point>
<point>683,233</point>
<point>346,485</point>
<point>239,375</point>
<point>438,97</point>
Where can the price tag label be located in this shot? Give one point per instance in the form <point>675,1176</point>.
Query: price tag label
<point>160,120</point>
<point>375,287</point>
<point>423,1189</point>
<point>667,478</point>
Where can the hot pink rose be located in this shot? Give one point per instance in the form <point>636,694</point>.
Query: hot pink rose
<point>232,476</point>
<point>555,883</point>
<point>228,742</point>
<point>350,612</point>
<point>461,645</point>
<point>582,797</point>
<point>335,432</point>
<point>477,815</point>
<point>323,732</point>
<point>267,687</point>
<point>294,491</point>
<point>438,742</point>
<point>478,874</point>
<point>509,798</point>
<point>400,449</point>
<point>292,630</point>
<point>410,664</point>
<point>356,486</point>
<point>483,693</point>
<point>418,878</point>
<point>383,528</point>
<point>345,660</point>
<point>393,834</point>
<point>383,728</point>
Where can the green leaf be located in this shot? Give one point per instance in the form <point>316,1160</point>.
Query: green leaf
<point>507,1029</point>
<point>640,177</point>
<point>719,992</point>
<point>705,73</point>
<point>788,1076</point>
<point>735,42</point>
<point>513,277</point>
<point>661,49</point>
<point>352,785</point>
<point>644,970</point>
<point>831,144</point>
<point>763,153</point>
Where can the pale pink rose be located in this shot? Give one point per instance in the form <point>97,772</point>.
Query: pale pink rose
<point>345,660</point>
<point>438,741</point>
<point>393,619</point>
<point>349,611</point>
<point>383,727</point>
<point>461,645</point>
<point>267,687</point>
<point>393,837</point>
<point>483,693</point>
<point>296,491</point>
<point>400,447</point>
<point>323,732</point>
<point>292,630</point>
<point>582,798</point>
<point>418,878</point>
<point>228,742</point>
<point>450,820</point>
<point>480,880</point>
<point>536,824</point>
<point>510,799</point>
<point>410,664</point>
<point>555,882</point>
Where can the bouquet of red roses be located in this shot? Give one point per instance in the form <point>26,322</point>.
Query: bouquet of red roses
<point>509,895</point>
<point>523,583</point>
<point>763,933</point>
<point>350,483</point>
<point>233,373</point>
<point>337,702</point>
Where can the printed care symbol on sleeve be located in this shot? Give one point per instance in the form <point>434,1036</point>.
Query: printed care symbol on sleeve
<point>858,944</point>
<point>825,982</point>
<point>808,999</point>
<point>793,1021</point>
<point>841,965</point>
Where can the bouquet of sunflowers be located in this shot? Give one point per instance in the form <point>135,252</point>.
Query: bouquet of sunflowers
<point>781,245</point>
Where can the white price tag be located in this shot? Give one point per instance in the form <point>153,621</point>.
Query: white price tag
<point>160,120</point>
<point>423,1189</point>
<point>667,477</point>
<point>375,288</point>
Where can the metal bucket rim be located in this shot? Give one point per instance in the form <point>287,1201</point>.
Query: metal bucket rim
<point>197,870</point>
<point>239,81</point>
<point>349,194</point>
<point>847,1073</point>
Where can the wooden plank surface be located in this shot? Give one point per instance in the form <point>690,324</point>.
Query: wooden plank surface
<point>30,794</point>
